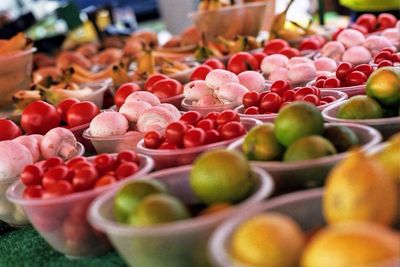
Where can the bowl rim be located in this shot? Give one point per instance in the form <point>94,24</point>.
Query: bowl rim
<point>146,166</point>
<point>188,107</point>
<point>19,54</point>
<point>371,122</point>
<point>289,166</point>
<point>182,151</point>
<point>86,134</point>
<point>168,99</point>
<point>341,89</point>
<point>110,227</point>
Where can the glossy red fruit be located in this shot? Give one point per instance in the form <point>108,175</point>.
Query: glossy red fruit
<point>288,96</point>
<point>214,63</point>
<point>227,116</point>
<point>395,57</point>
<point>153,79</point>
<point>367,20</point>
<point>123,91</point>
<point>382,56</point>
<point>194,137</point>
<point>60,172</point>
<point>104,163</point>
<point>270,103</point>
<point>175,131</point>
<point>191,117</point>
<point>212,136</point>
<point>126,169</point>
<point>280,86</point>
<point>32,191</point>
<point>127,156</point>
<point>212,116</point>
<point>72,162</point>
<point>302,92</point>
<point>84,178</point>
<point>153,139</point>
<point>336,33</point>
<point>52,162</point>
<point>200,72</point>
<point>63,107</point>
<point>251,99</point>
<point>273,46</point>
<point>241,62</point>
<point>360,28</point>
<point>321,77</point>
<point>356,78</point>
<point>313,99</point>
<point>252,111</point>
<point>259,56</point>
<point>289,52</point>
<point>320,83</point>
<point>59,188</point>
<point>166,88</point>
<point>331,82</point>
<point>343,70</point>
<point>206,124</point>
<point>385,63</point>
<point>328,99</point>
<point>319,39</point>
<point>167,145</point>
<point>9,130</point>
<point>386,20</point>
<point>105,180</point>
<point>309,44</point>
<point>39,117</point>
<point>367,69</point>
<point>81,113</point>
<point>232,130</point>
<point>31,175</point>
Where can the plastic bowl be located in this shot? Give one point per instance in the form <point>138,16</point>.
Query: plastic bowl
<point>13,214</point>
<point>62,221</point>
<point>304,207</point>
<point>167,158</point>
<point>99,89</point>
<point>174,100</point>
<point>290,176</point>
<point>349,90</point>
<point>15,75</point>
<point>387,126</point>
<point>186,105</point>
<point>248,20</point>
<point>178,244</point>
<point>340,96</point>
<point>78,131</point>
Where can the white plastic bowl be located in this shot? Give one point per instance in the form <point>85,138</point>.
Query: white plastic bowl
<point>340,96</point>
<point>349,90</point>
<point>99,89</point>
<point>386,126</point>
<point>62,221</point>
<point>289,176</point>
<point>178,244</point>
<point>186,105</point>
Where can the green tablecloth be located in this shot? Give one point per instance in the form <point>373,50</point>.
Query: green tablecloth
<point>25,247</point>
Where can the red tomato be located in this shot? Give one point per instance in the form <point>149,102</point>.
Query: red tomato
<point>63,107</point>
<point>126,169</point>
<point>39,117</point>
<point>123,92</point>
<point>174,132</point>
<point>313,99</point>
<point>331,82</point>
<point>191,117</point>
<point>167,145</point>
<point>55,174</point>
<point>32,191</point>
<point>252,111</point>
<point>52,162</point>
<point>390,49</point>
<point>336,33</point>
<point>200,72</point>
<point>59,188</point>
<point>166,88</point>
<point>369,21</point>
<point>320,83</point>
<point>105,180</point>
<point>72,162</point>
<point>395,57</point>
<point>153,139</point>
<point>128,156</point>
<point>194,137</point>
<point>214,63</point>
<point>309,44</point>
<point>356,78</point>
<point>227,116</point>
<point>232,130</point>
<point>273,46</point>
<point>382,56</point>
<point>289,52</point>
<point>288,96</point>
<point>212,116</point>
<point>104,163</point>
<point>84,178</point>
<point>9,130</point>
<point>206,124</point>
<point>321,77</point>
<point>367,69</point>
<point>81,113</point>
<point>385,63</point>
<point>153,79</point>
<point>259,56</point>
<point>302,92</point>
<point>386,20</point>
<point>212,136</point>
<point>280,86</point>
<point>250,99</point>
<point>241,62</point>
<point>270,103</point>
<point>328,99</point>
<point>343,70</point>
<point>31,175</point>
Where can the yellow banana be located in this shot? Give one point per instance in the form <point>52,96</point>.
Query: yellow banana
<point>279,21</point>
<point>146,62</point>
<point>56,95</point>
<point>24,97</point>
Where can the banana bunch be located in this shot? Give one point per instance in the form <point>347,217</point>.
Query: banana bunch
<point>241,43</point>
<point>82,75</point>
<point>209,5</point>
<point>145,62</point>
<point>169,67</point>
<point>120,74</point>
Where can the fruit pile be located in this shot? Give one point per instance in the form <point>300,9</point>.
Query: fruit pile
<point>54,178</point>
<point>387,57</point>
<point>280,46</point>
<point>162,86</point>
<point>280,95</point>
<point>193,130</point>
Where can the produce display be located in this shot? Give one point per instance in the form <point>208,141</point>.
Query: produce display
<point>247,139</point>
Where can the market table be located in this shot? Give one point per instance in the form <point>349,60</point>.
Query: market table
<point>25,247</point>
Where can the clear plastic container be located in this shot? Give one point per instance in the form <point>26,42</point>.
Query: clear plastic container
<point>11,213</point>
<point>241,19</point>
<point>340,96</point>
<point>349,90</point>
<point>386,126</point>
<point>99,89</point>
<point>62,221</point>
<point>290,176</point>
<point>167,158</point>
<point>304,207</point>
<point>15,75</point>
<point>186,105</point>
<point>178,244</point>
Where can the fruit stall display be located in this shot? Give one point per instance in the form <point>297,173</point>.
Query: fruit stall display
<point>224,151</point>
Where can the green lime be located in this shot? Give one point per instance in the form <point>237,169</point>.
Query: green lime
<point>360,107</point>
<point>309,147</point>
<point>342,137</point>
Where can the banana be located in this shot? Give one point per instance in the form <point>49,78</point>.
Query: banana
<point>252,43</point>
<point>146,62</point>
<point>241,44</point>
<point>119,75</point>
<point>279,21</point>
<point>24,97</point>
<point>56,95</point>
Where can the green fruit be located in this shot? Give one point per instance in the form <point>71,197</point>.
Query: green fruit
<point>221,176</point>
<point>360,107</point>
<point>128,197</point>
<point>261,144</point>
<point>309,147</point>
<point>297,120</point>
<point>384,86</point>
<point>342,137</point>
<point>157,209</point>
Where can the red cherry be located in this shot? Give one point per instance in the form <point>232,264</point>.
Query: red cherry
<point>289,52</point>
<point>288,96</point>
<point>382,56</point>
<point>250,99</point>
<point>332,82</point>
<point>343,70</point>
<point>302,92</point>
<point>320,83</point>
<point>309,44</point>
<point>356,78</point>
<point>252,111</point>
<point>367,69</point>
<point>280,86</point>
<point>385,63</point>
<point>271,103</point>
<point>212,136</point>
<point>313,99</point>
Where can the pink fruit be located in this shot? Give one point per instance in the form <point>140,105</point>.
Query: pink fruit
<point>252,80</point>
<point>333,50</point>
<point>273,62</point>
<point>357,55</point>
<point>351,37</point>
<point>325,64</point>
